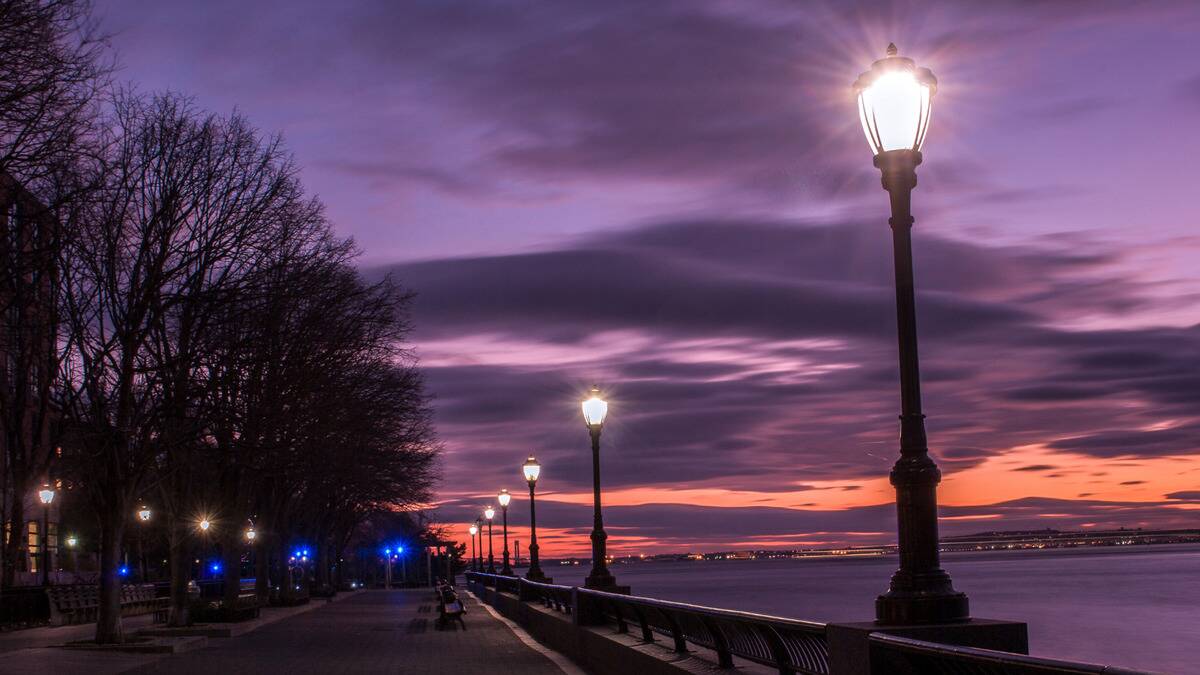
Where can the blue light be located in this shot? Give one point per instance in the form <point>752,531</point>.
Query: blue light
<point>387,551</point>
<point>303,551</point>
<point>215,567</point>
<point>123,570</point>
<point>399,549</point>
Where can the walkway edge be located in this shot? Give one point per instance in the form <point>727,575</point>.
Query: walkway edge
<point>564,664</point>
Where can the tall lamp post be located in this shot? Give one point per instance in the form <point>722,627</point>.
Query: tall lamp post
<point>595,409</point>
<point>143,513</point>
<point>474,531</point>
<point>893,104</point>
<point>488,514</point>
<point>532,471</point>
<point>46,495</point>
<point>504,498</point>
<point>479,526</point>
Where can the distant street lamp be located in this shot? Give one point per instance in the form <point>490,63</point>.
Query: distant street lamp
<point>204,524</point>
<point>143,514</point>
<point>595,409</point>
<point>479,526</point>
<point>490,513</point>
<point>474,531</point>
<point>251,534</point>
<point>46,495</point>
<point>532,470</point>
<point>504,498</point>
<point>894,99</point>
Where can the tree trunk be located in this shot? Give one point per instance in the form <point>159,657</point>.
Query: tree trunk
<point>108,622</point>
<point>16,537</point>
<point>262,572</point>
<point>180,560</point>
<point>232,568</point>
<point>286,584</point>
<point>323,566</point>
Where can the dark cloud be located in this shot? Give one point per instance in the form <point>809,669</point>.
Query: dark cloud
<point>1036,467</point>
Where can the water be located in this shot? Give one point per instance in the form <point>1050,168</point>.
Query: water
<point>1136,607</point>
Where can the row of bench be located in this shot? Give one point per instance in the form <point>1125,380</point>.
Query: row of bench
<point>80,603</point>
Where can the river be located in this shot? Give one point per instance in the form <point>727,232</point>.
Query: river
<point>1136,607</point>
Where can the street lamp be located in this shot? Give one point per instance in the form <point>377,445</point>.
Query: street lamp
<point>474,531</point>
<point>532,470</point>
<point>143,514</point>
<point>504,498</point>
<point>595,409</point>
<point>894,99</point>
<point>490,513</point>
<point>46,495</point>
<point>204,524</point>
<point>251,533</point>
<point>479,526</point>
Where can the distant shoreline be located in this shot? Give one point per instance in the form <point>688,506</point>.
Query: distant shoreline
<point>1021,540</point>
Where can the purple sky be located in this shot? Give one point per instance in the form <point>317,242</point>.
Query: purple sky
<point>674,199</point>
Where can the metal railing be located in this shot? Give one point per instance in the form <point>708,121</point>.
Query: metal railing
<point>790,645</point>
<point>905,656</point>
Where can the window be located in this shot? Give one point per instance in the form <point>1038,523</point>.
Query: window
<point>32,541</point>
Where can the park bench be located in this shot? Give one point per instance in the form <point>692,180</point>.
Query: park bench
<point>80,603</point>
<point>450,607</point>
<point>212,607</point>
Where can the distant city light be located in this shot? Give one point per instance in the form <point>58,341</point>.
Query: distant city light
<point>123,571</point>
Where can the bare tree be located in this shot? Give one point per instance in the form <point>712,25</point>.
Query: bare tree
<point>186,209</point>
<point>51,71</point>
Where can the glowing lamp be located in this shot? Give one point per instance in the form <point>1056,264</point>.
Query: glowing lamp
<point>251,534</point>
<point>473,530</point>
<point>204,524</point>
<point>72,541</point>
<point>489,513</point>
<point>531,469</point>
<point>504,498</point>
<point>46,494</point>
<point>143,513</point>
<point>893,103</point>
<point>595,409</point>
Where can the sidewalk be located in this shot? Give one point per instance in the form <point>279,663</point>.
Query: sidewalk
<point>365,632</point>
<point>32,650</point>
<point>374,632</point>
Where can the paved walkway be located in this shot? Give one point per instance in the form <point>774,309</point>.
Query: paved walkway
<point>370,632</point>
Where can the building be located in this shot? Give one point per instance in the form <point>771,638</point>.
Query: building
<point>27,366</point>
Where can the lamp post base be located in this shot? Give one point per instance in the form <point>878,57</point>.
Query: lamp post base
<point>909,609</point>
<point>850,651</point>
<point>538,577</point>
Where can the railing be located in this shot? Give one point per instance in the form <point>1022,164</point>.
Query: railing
<point>790,645</point>
<point>904,656</point>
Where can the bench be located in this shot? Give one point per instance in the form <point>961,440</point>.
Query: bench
<point>80,603</point>
<point>213,608</point>
<point>450,608</point>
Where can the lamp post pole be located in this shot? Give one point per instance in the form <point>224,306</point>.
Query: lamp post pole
<point>504,499</point>
<point>489,514</point>
<point>479,561</point>
<point>46,495</point>
<point>532,470</point>
<point>595,410</point>
<point>473,530</point>
<point>920,591</point>
<point>46,544</point>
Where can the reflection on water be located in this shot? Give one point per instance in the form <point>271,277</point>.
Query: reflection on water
<point>1137,607</point>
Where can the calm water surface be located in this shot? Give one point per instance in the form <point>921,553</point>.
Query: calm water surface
<point>1137,607</point>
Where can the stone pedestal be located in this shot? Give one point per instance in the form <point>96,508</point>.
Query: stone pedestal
<point>849,652</point>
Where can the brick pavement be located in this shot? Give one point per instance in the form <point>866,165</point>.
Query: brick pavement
<point>372,632</point>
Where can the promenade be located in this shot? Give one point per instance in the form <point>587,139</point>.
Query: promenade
<point>369,632</point>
